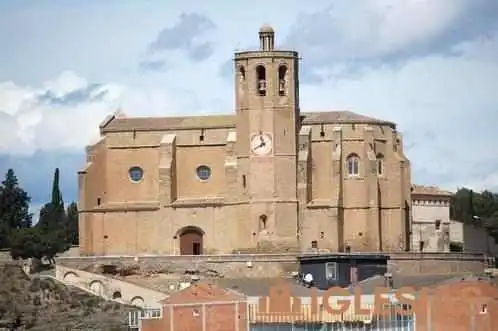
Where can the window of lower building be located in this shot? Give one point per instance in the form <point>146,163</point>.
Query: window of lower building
<point>314,244</point>
<point>331,270</point>
<point>421,246</point>
<point>438,224</point>
<point>484,309</point>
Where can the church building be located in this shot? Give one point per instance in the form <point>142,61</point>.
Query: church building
<point>266,178</point>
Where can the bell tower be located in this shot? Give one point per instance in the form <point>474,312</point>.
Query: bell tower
<point>267,111</point>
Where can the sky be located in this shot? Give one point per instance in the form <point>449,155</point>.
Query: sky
<point>427,65</point>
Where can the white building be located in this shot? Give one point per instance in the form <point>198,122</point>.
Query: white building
<point>430,219</point>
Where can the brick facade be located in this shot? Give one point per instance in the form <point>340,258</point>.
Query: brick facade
<point>461,306</point>
<point>201,307</point>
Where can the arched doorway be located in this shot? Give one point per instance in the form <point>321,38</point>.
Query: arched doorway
<point>190,239</point>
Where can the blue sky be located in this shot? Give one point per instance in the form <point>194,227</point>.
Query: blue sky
<point>429,65</point>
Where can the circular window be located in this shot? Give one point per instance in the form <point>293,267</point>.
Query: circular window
<point>203,172</point>
<point>136,174</point>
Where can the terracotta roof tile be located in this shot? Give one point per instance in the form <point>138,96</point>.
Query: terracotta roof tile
<point>343,116</point>
<point>118,124</point>
<point>429,190</point>
<point>202,292</point>
<point>172,123</point>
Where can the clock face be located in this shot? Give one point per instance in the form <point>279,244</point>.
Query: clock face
<point>261,144</point>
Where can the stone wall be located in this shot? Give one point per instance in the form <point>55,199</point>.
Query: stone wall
<point>436,263</point>
<point>73,251</point>
<point>473,238</point>
<point>5,255</point>
<point>228,266</point>
<point>273,265</point>
<point>107,287</point>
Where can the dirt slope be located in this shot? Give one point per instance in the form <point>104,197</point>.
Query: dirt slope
<point>44,304</point>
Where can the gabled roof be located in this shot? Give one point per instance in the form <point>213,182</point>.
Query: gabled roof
<point>429,190</point>
<point>342,116</point>
<point>203,292</point>
<point>122,124</point>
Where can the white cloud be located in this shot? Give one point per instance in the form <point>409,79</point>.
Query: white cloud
<point>65,113</point>
<point>378,31</point>
<point>429,65</point>
<point>447,106</point>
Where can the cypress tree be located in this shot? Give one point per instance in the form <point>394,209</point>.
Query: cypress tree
<point>471,206</point>
<point>56,193</point>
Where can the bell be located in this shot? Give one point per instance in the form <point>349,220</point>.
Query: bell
<point>262,85</point>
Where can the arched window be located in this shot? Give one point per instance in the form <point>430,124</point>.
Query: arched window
<point>380,164</point>
<point>261,80</point>
<point>282,80</point>
<point>242,74</point>
<point>353,163</point>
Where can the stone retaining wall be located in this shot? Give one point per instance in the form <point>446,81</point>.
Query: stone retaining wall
<point>436,263</point>
<point>5,255</point>
<point>274,265</point>
<point>229,266</point>
<point>107,287</point>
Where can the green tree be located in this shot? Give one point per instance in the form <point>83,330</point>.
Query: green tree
<point>47,238</point>
<point>52,214</point>
<point>56,192</point>
<point>72,223</point>
<point>14,208</point>
<point>52,224</point>
<point>28,243</point>
<point>481,209</point>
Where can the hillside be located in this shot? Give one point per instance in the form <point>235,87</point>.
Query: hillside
<point>44,304</point>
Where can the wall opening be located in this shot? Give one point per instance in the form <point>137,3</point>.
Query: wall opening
<point>353,165</point>
<point>263,222</point>
<point>242,73</point>
<point>484,309</point>
<point>438,224</point>
<point>97,287</point>
<point>137,301</point>
<point>282,80</point>
<point>261,80</point>
<point>380,164</point>
<point>191,241</point>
